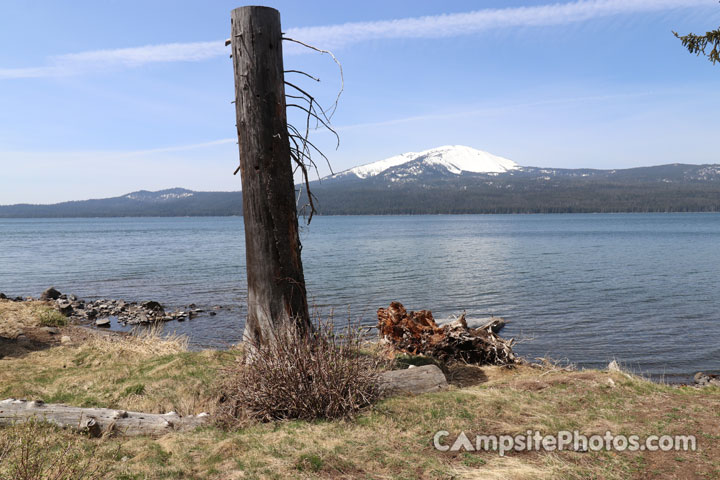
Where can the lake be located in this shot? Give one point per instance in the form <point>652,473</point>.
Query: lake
<point>640,288</point>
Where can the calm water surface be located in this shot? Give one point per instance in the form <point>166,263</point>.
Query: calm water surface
<point>583,288</point>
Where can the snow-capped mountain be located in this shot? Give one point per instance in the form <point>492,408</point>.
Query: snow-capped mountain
<point>450,159</point>
<point>160,196</point>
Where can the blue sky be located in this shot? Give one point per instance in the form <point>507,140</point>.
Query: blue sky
<point>100,98</point>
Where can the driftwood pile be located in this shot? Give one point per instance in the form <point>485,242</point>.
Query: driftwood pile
<point>417,333</point>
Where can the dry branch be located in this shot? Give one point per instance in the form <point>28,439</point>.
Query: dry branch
<point>327,52</point>
<point>302,153</point>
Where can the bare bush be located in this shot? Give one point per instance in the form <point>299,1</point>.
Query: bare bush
<point>36,450</point>
<point>320,374</point>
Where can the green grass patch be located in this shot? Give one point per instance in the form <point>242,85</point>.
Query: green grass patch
<point>406,360</point>
<point>137,389</point>
<point>309,463</point>
<point>50,317</point>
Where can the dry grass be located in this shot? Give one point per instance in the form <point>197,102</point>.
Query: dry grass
<point>144,342</point>
<point>146,372</point>
<point>394,438</point>
<point>391,440</point>
<point>40,451</point>
<point>17,317</point>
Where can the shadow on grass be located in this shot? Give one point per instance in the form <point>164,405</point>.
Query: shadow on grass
<point>23,345</point>
<point>458,374</point>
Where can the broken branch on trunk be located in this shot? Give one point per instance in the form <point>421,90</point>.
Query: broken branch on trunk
<point>326,52</point>
<point>303,73</point>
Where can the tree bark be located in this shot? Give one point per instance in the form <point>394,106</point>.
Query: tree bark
<point>276,285</point>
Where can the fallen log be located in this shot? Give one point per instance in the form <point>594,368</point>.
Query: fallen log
<point>97,421</point>
<point>707,379</point>
<point>417,333</point>
<point>428,378</point>
<point>494,324</point>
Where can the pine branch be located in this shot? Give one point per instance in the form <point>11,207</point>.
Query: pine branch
<point>698,44</point>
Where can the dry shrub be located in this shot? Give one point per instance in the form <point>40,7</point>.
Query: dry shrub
<point>36,450</point>
<point>323,374</point>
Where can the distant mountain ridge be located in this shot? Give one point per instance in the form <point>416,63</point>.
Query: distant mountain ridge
<point>449,179</point>
<point>174,202</point>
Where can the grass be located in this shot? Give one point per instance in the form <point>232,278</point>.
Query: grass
<point>391,440</point>
<point>16,317</point>
<point>37,450</point>
<point>52,318</point>
<point>116,374</point>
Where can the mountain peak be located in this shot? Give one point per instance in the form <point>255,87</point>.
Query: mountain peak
<point>454,158</point>
<point>160,195</point>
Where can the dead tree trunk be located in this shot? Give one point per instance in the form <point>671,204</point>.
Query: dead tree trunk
<point>276,285</point>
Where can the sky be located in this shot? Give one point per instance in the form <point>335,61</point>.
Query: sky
<point>102,98</point>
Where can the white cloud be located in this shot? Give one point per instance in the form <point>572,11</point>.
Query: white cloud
<point>98,60</point>
<point>338,36</point>
<point>495,110</point>
<point>37,157</point>
<point>31,72</point>
<point>449,25</point>
<point>132,57</point>
<point>179,148</point>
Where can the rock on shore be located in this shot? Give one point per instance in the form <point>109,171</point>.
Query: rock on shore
<point>50,294</point>
<point>99,312</point>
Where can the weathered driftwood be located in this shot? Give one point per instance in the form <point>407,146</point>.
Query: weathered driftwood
<point>97,421</point>
<point>494,324</point>
<point>275,281</point>
<point>417,333</point>
<point>428,378</point>
<point>707,379</point>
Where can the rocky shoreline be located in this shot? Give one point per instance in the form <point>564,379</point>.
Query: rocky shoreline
<point>100,312</point>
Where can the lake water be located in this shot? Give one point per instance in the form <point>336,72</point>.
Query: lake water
<point>641,288</point>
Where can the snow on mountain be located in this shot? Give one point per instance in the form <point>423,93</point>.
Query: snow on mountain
<point>455,158</point>
<point>162,195</point>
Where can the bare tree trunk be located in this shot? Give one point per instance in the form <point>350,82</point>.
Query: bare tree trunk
<point>276,285</point>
